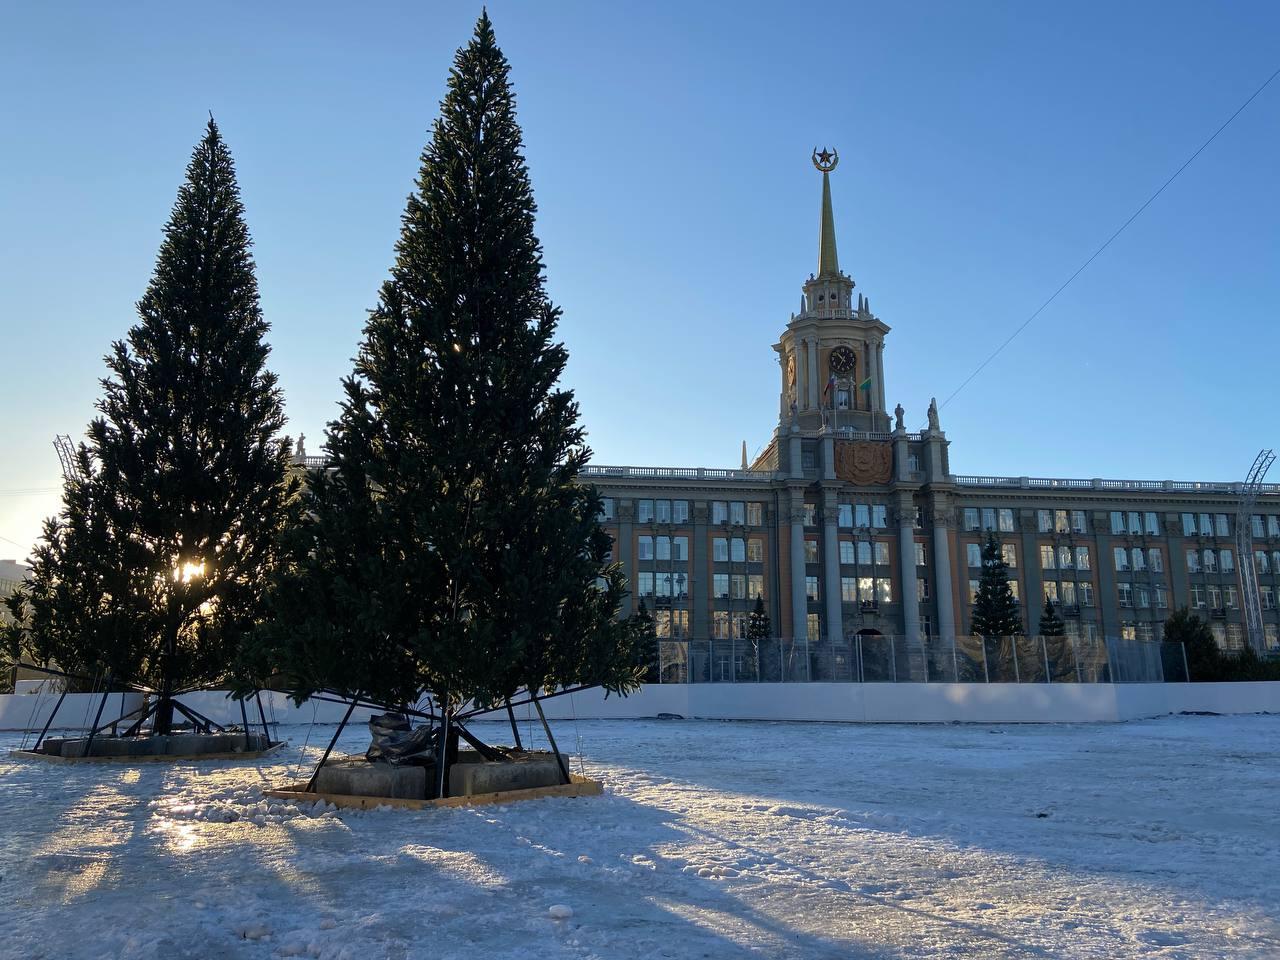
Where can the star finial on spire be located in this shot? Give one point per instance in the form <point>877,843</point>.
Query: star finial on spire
<point>826,160</point>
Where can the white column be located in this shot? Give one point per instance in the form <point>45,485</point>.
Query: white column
<point>942,575</point>
<point>879,382</point>
<point>799,605</point>
<point>907,563</point>
<point>831,568</point>
<point>813,374</point>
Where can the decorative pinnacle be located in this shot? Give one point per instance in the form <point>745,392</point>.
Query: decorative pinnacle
<point>828,262</point>
<point>827,160</point>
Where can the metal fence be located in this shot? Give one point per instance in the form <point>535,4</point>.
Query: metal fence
<point>892,659</point>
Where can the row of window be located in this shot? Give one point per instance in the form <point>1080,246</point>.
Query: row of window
<point>1213,596</point>
<point>1065,558</point>
<point>1141,595</point>
<point>1152,559</point>
<point>849,515</point>
<point>1210,561</point>
<point>1069,592</point>
<point>1205,524</point>
<point>973,554</point>
<point>1272,525</point>
<point>1135,523</point>
<point>737,550</point>
<point>737,586</point>
<point>662,548</point>
<point>854,590</point>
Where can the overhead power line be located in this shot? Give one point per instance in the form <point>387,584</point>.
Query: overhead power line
<point>1079,270</point>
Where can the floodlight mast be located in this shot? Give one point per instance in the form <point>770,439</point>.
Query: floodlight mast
<point>1244,546</point>
<point>67,458</point>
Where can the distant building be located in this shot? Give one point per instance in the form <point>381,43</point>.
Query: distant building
<point>850,524</point>
<point>12,574</point>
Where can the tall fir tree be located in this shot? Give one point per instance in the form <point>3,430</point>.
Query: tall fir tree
<point>1051,624</point>
<point>157,566</point>
<point>758,626</point>
<point>648,644</point>
<point>995,610</point>
<point>452,548</point>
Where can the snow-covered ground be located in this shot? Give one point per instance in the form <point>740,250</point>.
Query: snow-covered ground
<point>720,840</point>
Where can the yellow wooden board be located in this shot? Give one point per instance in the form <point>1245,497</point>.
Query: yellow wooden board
<point>580,787</point>
<point>155,758</point>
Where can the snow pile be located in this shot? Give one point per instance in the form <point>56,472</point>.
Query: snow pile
<point>1151,839</point>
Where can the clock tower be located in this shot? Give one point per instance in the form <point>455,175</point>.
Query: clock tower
<point>832,352</point>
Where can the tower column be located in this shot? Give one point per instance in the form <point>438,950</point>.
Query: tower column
<point>907,566</point>
<point>799,604</point>
<point>831,596</point>
<point>878,385</point>
<point>813,373</point>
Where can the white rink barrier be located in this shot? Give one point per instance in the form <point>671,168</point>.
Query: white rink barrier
<point>835,702</point>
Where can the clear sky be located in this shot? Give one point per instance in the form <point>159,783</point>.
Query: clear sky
<point>986,150</point>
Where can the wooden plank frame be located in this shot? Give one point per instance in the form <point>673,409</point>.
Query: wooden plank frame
<point>580,787</point>
<point>157,758</point>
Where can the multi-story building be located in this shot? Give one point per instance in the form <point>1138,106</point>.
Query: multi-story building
<point>849,524</point>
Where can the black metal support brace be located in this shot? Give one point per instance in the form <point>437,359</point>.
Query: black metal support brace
<point>137,724</point>
<point>48,723</point>
<point>515,731</point>
<point>262,715</point>
<point>564,768</point>
<point>88,747</point>
<point>311,784</point>
<point>244,723</point>
<point>481,747</point>
<point>442,756</point>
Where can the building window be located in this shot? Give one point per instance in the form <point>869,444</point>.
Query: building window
<point>919,520</point>
<point>845,515</point>
<point>810,515</point>
<point>1085,589</point>
<point>671,624</point>
<point>662,511</point>
<point>1117,521</point>
<point>719,512</point>
<point>921,554</point>
<point>1155,560</point>
<point>1068,591</point>
<point>1142,597</point>
<point>1235,636</point>
<point>1162,596</point>
<point>922,589</point>
<point>811,624</point>
<point>680,548</point>
<point>737,586</point>
<point>861,515</point>
<point>1082,558</point>
<point>1151,524</point>
<point>811,551</point>
<point>1210,562</point>
<point>1124,594</point>
<point>1229,597</point>
<point>1013,589</point>
<point>720,585</point>
<point>644,511</point>
<point>848,590</point>
<point>1060,522</point>
<point>1273,525</point>
<point>1006,520</point>
<point>1214,594</point>
<point>1220,525</point>
<point>867,589</point>
<point>1127,631</point>
<point>755,586</point>
<point>644,583</point>
<point>663,545</point>
<point>864,552</point>
<point>720,550</point>
<point>738,550</point>
<point>1051,592</point>
<point>973,553</point>
<point>1197,596</point>
<point>1064,558</point>
<point>644,548</point>
<point>755,551</point>
<point>755,515</point>
<point>1228,561</point>
<point>1122,558</point>
<point>1193,561</point>
<point>884,591</point>
<point>882,553</point>
<point>971,518</point>
<point>738,513</point>
<point>1272,634</point>
<point>846,551</point>
<point>988,518</point>
<point>1206,525</point>
<point>1044,521</point>
<point>1188,524</point>
<point>679,511</point>
<point>1047,556</point>
<point>606,509</point>
<point>811,589</point>
<point>1135,522</point>
<point>879,515</point>
<point>1139,558</point>
<point>973,591</point>
<point>1268,597</point>
<point>1009,552</point>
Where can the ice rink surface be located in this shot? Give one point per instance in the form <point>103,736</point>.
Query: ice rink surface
<point>1156,838</point>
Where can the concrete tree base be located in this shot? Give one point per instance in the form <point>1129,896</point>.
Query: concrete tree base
<point>178,746</point>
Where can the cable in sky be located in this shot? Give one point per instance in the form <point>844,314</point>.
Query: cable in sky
<point>1027,322</point>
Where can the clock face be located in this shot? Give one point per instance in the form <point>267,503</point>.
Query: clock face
<point>842,360</point>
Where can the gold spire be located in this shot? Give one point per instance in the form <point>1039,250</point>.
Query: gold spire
<point>828,262</point>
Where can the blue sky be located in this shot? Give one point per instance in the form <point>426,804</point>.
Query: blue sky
<point>986,149</point>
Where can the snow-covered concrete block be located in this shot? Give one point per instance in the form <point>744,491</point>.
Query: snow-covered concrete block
<point>361,778</point>
<point>467,779</point>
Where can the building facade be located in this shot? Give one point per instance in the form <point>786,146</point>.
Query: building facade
<point>848,524</point>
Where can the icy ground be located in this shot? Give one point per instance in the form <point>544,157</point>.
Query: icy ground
<point>721,840</point>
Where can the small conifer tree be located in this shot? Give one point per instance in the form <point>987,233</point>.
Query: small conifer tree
<point>995,610</point>
<point>1051,624</point>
